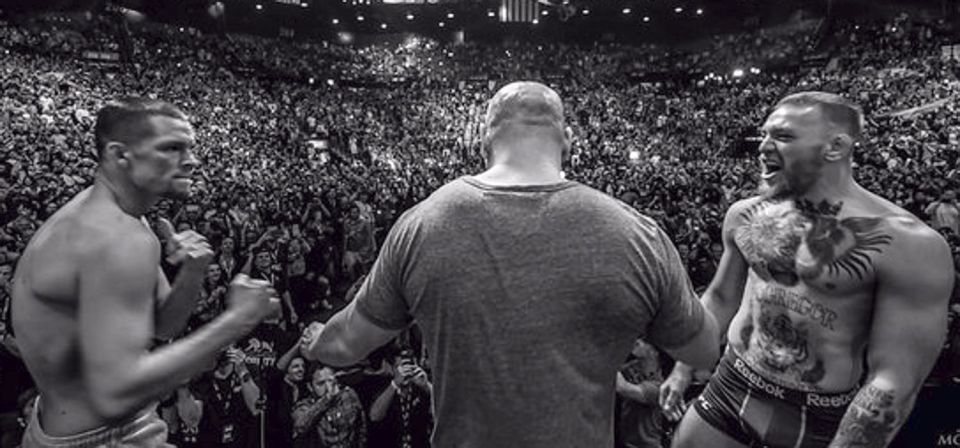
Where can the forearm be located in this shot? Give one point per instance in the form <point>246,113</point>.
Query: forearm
<point>251,393</point>
<point>380,406</point>
<point>157,373</point>
<point>174,311</point>
<point>876,413</point>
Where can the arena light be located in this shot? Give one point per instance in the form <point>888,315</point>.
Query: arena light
<point>449,15</point>
<point>311,80</point>
<point>259,7</point>
<point>441,24</point>
<point>626,10</point>
<point>304,5</point>
<point>678,9</point>
<point>409,16</point>
<point>586,12</point>
<point>699,11</point>
<point>535,21</point>
<point>336,21</point>
<point>330,82</point>
<point>383,26</point>
<point>491,14</point>
<point>738,73</point>
<point>359,18</point>
<point>646,18</point>
<point>544,13</point>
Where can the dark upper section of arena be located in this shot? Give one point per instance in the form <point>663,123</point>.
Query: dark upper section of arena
<point>630,21</point>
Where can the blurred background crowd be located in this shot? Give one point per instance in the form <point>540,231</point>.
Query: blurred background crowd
<point>308,158</point>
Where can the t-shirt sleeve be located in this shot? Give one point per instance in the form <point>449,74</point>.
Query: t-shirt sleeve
<point>380,298</point>
<point>680,315</point>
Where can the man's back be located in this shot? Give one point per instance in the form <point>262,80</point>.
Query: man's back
<point>530,298</point>
<point>45,298</point>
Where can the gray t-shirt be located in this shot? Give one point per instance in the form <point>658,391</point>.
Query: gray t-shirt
<point>530,299</point>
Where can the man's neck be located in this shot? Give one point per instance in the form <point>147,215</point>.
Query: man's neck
<point>126,198</point>
<point>511,175</point>
<point>829,195</point>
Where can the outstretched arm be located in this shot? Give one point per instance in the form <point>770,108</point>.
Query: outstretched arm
<point>907,332</point>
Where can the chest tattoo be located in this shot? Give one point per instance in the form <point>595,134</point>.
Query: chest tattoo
<point>787,244</point>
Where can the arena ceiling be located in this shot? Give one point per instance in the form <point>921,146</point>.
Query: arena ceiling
<point>637,20</point>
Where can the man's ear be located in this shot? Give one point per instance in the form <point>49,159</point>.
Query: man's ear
<point>567,142</point>
<point>116,152</point>
<point>840,147</point>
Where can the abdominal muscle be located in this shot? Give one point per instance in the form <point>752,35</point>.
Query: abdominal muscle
<point>800,338</point>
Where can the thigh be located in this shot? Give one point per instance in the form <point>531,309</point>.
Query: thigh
<point>695,432</point>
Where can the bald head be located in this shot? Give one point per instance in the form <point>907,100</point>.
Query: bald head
<point>525,103</point>
<point>523,112</point>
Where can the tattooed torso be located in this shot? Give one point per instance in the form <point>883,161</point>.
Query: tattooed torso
<point>804,318</point>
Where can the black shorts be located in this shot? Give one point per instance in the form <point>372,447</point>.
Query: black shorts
<point>744,405</point>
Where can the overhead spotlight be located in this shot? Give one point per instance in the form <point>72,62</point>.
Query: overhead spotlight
<point>545,13</point>
<point>359,18</point>
<point>330,82</point>
<point>586,12</point>
<point>304,5</point>
<point>449,15</point>
<point>626,10</point>
<point>535,21</point>
<point>678,9</point>
<point>383,26</point>
<point>699,11</point>
<point>259,7</point>
<point>738,73</point>
<point>409,16</point>
<point>442,24</point>
<point>336,21</point>
<point>311,80</point>
<point>491,14</point>
<point>646,18</point>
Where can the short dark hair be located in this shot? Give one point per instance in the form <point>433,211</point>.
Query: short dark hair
<point>837,109</point>
<point>126,119</point>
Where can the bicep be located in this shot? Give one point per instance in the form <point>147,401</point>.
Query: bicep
<point>731,276</point>
<point>909,320</point>
<point>116,295</point>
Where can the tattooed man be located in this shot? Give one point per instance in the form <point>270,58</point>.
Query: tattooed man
<point>834,299</point>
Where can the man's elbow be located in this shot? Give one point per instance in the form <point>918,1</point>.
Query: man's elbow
<point>331,353</point>
<point>707,351</point>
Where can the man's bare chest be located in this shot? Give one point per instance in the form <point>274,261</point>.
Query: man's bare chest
<point>789,243</point>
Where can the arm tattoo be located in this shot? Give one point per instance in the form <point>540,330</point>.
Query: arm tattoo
<point>870,422</point>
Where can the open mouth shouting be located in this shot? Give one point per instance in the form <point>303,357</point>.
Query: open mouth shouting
<point>770,168</point>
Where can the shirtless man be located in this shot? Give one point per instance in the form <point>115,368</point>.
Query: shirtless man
<point>89,298</point>
<point>835,299</point>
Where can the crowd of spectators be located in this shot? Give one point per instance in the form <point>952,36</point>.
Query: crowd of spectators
<point>301,176</point>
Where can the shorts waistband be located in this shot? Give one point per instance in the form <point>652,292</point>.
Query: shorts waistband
<point>825,400</point>
<point>96,437</point>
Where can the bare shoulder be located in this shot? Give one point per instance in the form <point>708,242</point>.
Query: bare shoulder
<point>911,235</point>
<point>742,212</point>
<point>919,254</point>
<point>100,229</point>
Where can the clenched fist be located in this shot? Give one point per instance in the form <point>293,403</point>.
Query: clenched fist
<point>251,300</point>
<point>187,248</point>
